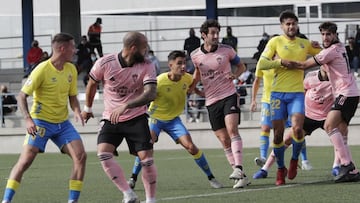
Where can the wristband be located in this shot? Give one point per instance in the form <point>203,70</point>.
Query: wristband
<point>87,109</point>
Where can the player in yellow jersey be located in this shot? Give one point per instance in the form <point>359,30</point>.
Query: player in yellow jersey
<point>52,84</point>
<point>164,111</point>
<point>267,77</point>
<point>287,90</point>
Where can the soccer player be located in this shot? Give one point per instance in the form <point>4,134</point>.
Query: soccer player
<point>267,76</point>
<point>335,68</point>
<point>129,83</point>
<point>52,84</point>
<point>318,101</point>
<point>164,113</point>
<point>287,90</point>
<point>213,63</point>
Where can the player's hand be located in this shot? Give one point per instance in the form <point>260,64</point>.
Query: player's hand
<point>154,138</point>
<point>290,64</point>
<point>86,116</point>
<point>30,126</point>
<point>231,76</point>
<point>115,115</point>
<point>315,44</point>
<point>78,117</point>
<point>253,106</point>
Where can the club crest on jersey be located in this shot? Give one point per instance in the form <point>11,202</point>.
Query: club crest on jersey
<point>135,77</point>
<point>70,78</point>
<point>219,60</point>
<point>184,87</point>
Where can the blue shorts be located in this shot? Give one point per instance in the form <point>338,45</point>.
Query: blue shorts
<point>60,133</point>
<point>284,105</point>
<point>265,114</point>
<point>175,128</point>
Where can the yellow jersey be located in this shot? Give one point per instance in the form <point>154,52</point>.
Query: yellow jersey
<point>280,47</point>
<point>171,97</point>
<point>267,77</point>
<point>51,89</point>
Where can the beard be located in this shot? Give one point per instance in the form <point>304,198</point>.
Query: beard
<point>138,58</point>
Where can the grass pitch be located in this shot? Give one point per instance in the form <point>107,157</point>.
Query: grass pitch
<point>181,181</point>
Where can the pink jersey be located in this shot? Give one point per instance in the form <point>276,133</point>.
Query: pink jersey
<point>214,70</point>
<point>335,62</point>
<point>122,84</point>
<point>318,96</point>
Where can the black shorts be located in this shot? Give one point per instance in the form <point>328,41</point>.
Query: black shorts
<point>311,125</point>
<point>347,106</point>
<point>220,109</point>
<point>135,131</point>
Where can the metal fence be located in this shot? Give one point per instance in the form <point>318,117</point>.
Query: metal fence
<point>246,113</point>
<point>163,40</point>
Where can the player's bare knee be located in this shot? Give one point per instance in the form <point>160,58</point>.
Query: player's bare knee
<point>278,139</point>
<point>225,140</point>
<point>81,158</point>
<point>298,132</point>
<point>192,149</point>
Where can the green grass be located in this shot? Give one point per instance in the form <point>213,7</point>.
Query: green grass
<point>180,180</point>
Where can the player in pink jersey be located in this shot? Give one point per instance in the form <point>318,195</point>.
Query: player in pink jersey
<point>318,101</point>
<point>335,68</point>
<point>129,82</point>
<point>213,67</point>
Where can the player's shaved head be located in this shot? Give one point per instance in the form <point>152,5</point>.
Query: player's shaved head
<point>134,39</point>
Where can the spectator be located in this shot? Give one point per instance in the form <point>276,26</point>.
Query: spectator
<point>155,61</point>
<point>195,104</point>
<point>246,78</point>
<point>85,58</point>
<point>94,37</point>
<point>45,56</point>
<point>261,46</point>
<point>353,52</point>
<point>191,43</point>
<point>34,56</point>
<point>7,99</point>
<point>230,39</point>
<point>357,37</point>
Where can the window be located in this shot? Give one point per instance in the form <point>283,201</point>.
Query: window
<point>341,10</point>
<point>301,11</point>
<point>314,12</point>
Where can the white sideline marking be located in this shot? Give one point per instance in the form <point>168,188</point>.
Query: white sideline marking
<point>235,191</point>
